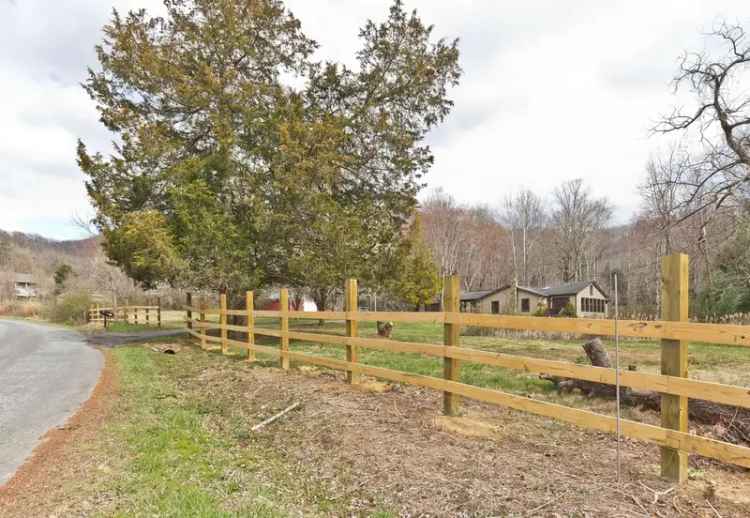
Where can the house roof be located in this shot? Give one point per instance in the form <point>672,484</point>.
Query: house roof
<point>23,277</point>
<point>468,296</point>
<point>571,288</point>
<point>533,291</point>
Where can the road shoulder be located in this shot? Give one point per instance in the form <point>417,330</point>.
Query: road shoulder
<point>61,449</point>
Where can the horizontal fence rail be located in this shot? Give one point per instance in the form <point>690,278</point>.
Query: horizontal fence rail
<point>668,385</point>
<point>717,334</point>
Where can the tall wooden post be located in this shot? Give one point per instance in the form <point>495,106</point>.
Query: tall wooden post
<point>674,361</point>
<point>148,316</point>
<point>250,307</point>
<point>451,367</point>
<point>189,304</point>
<point>158,311</point>
<point>351,299</point>
<point>202,317</point>
<point>223,320</point>
<point>284,308</point>
<point>135,315</point>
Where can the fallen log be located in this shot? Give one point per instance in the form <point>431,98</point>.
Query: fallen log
<point>730,424</point>
<point>598,357</point>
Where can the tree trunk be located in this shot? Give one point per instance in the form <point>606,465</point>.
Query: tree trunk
<point>599,358</point>
<point>731,424</point>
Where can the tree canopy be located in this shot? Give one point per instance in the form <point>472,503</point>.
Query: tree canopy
<point>242,160</point>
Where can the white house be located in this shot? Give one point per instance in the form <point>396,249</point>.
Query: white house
<point>24,286</point>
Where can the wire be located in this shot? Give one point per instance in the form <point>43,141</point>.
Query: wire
<point>617,373</point>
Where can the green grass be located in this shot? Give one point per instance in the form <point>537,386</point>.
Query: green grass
<point>127,327</point>
<point>186,452</point>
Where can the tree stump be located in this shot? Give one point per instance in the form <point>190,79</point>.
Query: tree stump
<point>385,329</point>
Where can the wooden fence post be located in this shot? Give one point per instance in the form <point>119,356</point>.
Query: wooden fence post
<point>135,315</point>
<point>158,311</point>
<point>202,317</point>
<point>674,361</point>
<point>189,315</point>
<point>284,308</point>
<point>148,316</point>
<point>250,307</point>
<point>451,367</point>
<point>351,301</point>
<point>223,320</point>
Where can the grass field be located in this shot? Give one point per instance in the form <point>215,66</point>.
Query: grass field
<point>710,362</point>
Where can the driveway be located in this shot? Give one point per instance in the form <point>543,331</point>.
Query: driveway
<point>46,373</point>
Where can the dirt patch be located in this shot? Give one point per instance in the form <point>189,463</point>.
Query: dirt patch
<point>467,426</point>
<point>395,451</point>
<point>60,458</point>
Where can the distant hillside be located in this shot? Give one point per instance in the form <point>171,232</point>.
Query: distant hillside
<point>87,247</point>
<point>41,256</point>
<point>91,272</point>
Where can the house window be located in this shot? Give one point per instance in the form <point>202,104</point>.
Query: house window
<point>592,305</point>
<point>525,305</point>
<point>495,307</point>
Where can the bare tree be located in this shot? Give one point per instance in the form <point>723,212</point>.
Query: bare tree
<point>466,240</point>
<point>721,117</point>
<point>523,215</point>
<point>580,222</point>
<point>661,193</point>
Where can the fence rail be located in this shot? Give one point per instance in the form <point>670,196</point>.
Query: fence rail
<point>672,438</point>
<point>148,315</point>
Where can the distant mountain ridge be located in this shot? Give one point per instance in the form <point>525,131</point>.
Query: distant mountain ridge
<point>84,248</point>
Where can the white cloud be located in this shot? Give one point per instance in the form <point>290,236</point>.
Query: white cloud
<point>551,91</point>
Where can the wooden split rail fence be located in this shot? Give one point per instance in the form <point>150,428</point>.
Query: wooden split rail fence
<point>674,385</point>
<point>146,315</point>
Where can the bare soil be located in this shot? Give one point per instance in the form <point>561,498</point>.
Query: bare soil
<point>392,449</point>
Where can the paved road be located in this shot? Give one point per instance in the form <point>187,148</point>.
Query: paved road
<point>46,373</point>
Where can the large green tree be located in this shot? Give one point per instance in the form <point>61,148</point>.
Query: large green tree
<point>264,165</point>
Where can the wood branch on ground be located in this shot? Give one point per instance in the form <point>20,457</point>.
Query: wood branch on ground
<point>275,417</point>
<point>730,423</point>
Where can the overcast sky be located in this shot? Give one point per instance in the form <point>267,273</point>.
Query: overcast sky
<point>551,91</point>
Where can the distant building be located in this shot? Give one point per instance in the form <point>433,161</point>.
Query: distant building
<point>588,299</point>
<point>272,303</point>
<point>24,286</point>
